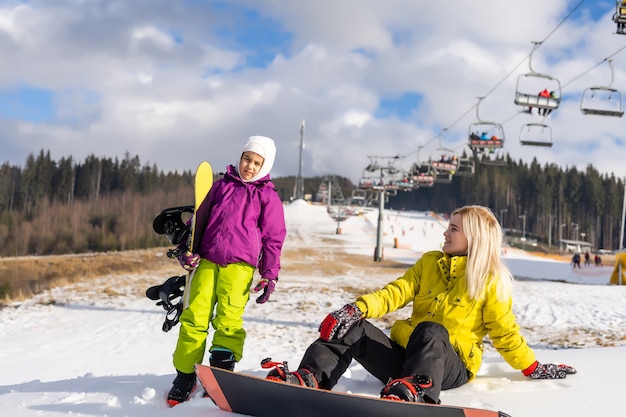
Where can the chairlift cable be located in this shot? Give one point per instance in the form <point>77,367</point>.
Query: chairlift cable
<point>499,83</point>
<point>535,47</point>
<point>595,66</point>
<point>563,21</point>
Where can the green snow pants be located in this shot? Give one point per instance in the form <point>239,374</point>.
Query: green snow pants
<point>217,295</point>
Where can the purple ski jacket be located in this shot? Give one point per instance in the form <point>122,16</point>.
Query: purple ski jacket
<point>242,222</point>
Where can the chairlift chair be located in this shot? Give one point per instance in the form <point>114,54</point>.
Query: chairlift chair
<point>486,135</point>
<point>467,167</point>
<point>602,101</point>
<point>619,17</point>
<point>529,87</point>
<point>390,187</point>
<point>423,175</point>
<point>495,158</point>
<point>405,183</point>
<point>445,161</point>
<point>483,134</point>
<point>536,134</point>
<point>365,183</point>
<point>424,180</point>
<point>359,197</point>
<point>443,177</point>
<point>444,165</point>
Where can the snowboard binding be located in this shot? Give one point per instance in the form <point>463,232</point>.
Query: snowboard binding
<point>170,223</point>
<point>279,371</point>
<point>169,295</point>
<point>179,232</point>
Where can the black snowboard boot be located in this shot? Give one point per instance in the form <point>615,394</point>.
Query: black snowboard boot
<point>411,388</point>
<point>281,373</point>
<point>182,387</point>
<point>223,359</point>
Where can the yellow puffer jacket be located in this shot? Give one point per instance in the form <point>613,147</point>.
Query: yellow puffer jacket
<point>436,286</point>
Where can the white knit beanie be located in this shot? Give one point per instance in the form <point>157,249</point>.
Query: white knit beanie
<point>265,147</point>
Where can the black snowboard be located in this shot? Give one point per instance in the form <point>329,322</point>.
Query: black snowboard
<point>250,395</point>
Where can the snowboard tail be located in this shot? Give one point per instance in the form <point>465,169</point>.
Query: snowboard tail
<point>259,397</point>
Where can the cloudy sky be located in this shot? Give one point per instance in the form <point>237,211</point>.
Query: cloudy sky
<point>178,82</point>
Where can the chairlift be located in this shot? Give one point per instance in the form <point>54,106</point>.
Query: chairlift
<point>390,187</point>
<point>485,135</point>
<point>443,177</point>
<point>602,101</point>
<point>467,167</point>
<point>493,158</point>
<point>444,165</point>
<point>405,182</point>
<point>536,134</point>
<point>547,97</point>
<point>366,183</point>
<point>536,90</point>
<point>359,197</point>
<point>445,161</point>
<point>423,175</point>
<point>619,17</point>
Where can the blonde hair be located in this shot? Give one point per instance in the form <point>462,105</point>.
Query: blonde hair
<point>484,243</point>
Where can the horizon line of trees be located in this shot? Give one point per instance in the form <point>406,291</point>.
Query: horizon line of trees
<point>104,204</point>
<point>544,202</point>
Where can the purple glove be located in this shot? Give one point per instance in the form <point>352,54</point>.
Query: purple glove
<point>267,285</point>
<point>337,323</point>
<point>188,260</point>
<point>548,371</point>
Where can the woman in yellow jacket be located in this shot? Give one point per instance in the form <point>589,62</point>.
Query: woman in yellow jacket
<point>459,296</point>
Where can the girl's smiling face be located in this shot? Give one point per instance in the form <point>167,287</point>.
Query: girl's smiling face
<point>455,241</point>
<point>250,164</point>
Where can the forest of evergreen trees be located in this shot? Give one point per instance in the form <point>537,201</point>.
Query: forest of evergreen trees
<point>104,204</point>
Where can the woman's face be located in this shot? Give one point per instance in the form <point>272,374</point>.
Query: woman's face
<point>250,165</point>
<point>455,242</point>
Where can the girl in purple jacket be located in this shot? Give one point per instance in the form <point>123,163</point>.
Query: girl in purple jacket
<point>241,228</point>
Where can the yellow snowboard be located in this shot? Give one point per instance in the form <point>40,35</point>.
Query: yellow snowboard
<point>202,185</point>
<point>620,268</point>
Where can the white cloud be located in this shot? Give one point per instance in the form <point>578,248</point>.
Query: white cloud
<point>13,19</point>
<point>152,35</point>
<point>336,64</point>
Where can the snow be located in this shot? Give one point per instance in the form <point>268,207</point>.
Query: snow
<point>96,348</point>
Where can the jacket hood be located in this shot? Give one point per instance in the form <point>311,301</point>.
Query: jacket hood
<point>263,146</point>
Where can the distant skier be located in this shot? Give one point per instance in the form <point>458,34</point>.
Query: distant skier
<point>576,260</point>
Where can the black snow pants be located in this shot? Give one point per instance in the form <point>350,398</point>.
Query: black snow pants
<point>428,352</point>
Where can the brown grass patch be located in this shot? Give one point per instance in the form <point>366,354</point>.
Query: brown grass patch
<point>328,261</point>
<point>23,277</point>
<point>578,337</point>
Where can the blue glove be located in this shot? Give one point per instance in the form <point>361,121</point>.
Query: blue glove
<point>337,323</point>
<point>189,261</point>
<point>267,285</point>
